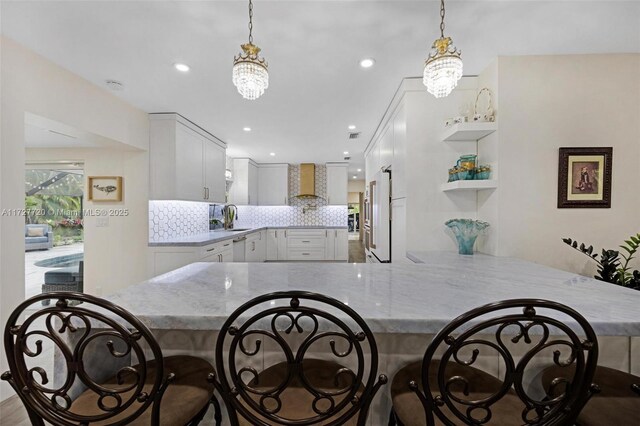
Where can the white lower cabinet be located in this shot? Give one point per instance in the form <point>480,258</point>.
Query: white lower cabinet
<point>255,247</point>
<point>165,259</point>
<point>267,245</point>
<point>337,246</point>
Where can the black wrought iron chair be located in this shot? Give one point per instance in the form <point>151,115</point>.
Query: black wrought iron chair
<point>109,369</point>
<point>617,403</point>
<point>523,336</point>
<point>296,358</point>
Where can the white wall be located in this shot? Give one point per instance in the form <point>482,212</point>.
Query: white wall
<point>547,102</point>
<point>355,185</point>
<point>31,84</point>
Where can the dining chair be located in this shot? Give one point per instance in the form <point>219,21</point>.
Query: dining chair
<point>296,358</point>
<point>515,338</point>
<point>617,403</point>
<point>108,369</point>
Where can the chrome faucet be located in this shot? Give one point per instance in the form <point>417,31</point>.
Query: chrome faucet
<point>230,214</point>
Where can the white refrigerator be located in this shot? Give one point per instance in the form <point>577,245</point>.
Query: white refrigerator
<point>380,233</point>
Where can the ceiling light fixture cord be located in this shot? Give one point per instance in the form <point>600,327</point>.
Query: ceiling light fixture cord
<point>250,22</point>
<point>442,18</point>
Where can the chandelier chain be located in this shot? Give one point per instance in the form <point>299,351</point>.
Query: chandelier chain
<point>442,18</point>
<point>250,22</point>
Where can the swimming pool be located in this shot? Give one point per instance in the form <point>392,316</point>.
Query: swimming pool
<point>61,261</point>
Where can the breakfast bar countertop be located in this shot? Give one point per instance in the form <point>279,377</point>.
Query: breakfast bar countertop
<point>392,298</point>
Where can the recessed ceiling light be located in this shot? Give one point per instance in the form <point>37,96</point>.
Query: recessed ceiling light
<point>246,129</point>
<point>273,154</point>
<point>367,63</point>
<point>182,67</point>
<point>355,177</point>
<point>359,170</point>
<point>346,153</point>
<point>352,127</point>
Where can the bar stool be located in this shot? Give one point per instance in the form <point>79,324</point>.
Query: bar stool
<point>617,403</point>
<point>296,358</point>
<point>103,374</point>
<point>452,391</point>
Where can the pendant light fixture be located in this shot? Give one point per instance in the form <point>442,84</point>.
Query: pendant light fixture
<point>250,72</point>
<point>443,67</point>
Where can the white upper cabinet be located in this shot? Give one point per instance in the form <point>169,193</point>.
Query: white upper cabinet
<point>386,147</point>
<point>214,172</point>
<point>186,162</point>
<point>244,190</point>
<point>273,184</point>
<point>398,167</point>
<point>337,183</point>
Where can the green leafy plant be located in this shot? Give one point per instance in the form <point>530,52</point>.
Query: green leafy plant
<point>613,266</point>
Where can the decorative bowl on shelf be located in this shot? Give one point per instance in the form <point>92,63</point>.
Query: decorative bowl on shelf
<point>466,231</point>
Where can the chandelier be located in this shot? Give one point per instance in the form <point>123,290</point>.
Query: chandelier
<point>250,74</point>
<point>443,67</point>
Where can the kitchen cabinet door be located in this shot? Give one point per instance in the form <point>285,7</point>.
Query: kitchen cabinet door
<point>399,231</point>
<point>341,244</point>
<point>282,244</point>
<point>272,244</point>
<point>386,147</point>
<point>189,165</point>
<point>398,179</point>
<point>273,184</point>
<point>261,247</point>
<point>252,190</point>
<point>330,248</point>
<point>244,190</point>
<point>214,168</point>
<point>337,182</point>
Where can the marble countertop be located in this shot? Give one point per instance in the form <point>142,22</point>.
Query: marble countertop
<point>217,236</point>
<point>392,298</point>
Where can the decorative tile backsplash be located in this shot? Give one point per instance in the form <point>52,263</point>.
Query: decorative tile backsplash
<point>173,219</point>
<point>170,219</point>
<point>257,216</point>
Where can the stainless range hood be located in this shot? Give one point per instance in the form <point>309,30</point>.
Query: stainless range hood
<point>307,181</point>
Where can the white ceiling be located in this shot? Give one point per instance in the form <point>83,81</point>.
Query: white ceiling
<point>313,47</point>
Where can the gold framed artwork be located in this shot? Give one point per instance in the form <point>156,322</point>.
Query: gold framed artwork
<point>584,177</point>
<point>105,188</point>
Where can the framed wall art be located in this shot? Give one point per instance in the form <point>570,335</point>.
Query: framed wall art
<point>584,177</point>
<point>105,188</point>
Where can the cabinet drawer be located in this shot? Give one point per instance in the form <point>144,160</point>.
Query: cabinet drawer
<point>306,233</point>
<point>305,254</point>
<point>215,248</point>
<point>306,241</point>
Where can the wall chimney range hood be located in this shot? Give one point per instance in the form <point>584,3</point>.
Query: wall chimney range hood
<point>307,181</point>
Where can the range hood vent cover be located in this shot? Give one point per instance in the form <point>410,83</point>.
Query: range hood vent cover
<point>307,181</point>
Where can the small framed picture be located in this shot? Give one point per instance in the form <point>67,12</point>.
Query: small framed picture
<point>584,177</point>
<point>105,188</point>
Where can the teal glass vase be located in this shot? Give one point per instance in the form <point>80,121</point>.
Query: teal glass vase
<point>466,231</point>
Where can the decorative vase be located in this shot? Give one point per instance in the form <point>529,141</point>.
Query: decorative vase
<point>466,232</point>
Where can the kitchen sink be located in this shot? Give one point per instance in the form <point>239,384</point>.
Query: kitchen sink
<point>239,230</point>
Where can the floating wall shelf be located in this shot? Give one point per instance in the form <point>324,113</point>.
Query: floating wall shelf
<point>469,185</point>
<point>469,132</point>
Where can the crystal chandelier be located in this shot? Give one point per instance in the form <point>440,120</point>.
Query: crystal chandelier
<point>250,74</point>
<point>443,67</point>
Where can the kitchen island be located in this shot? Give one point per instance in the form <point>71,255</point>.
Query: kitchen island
<point>404,305</point>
